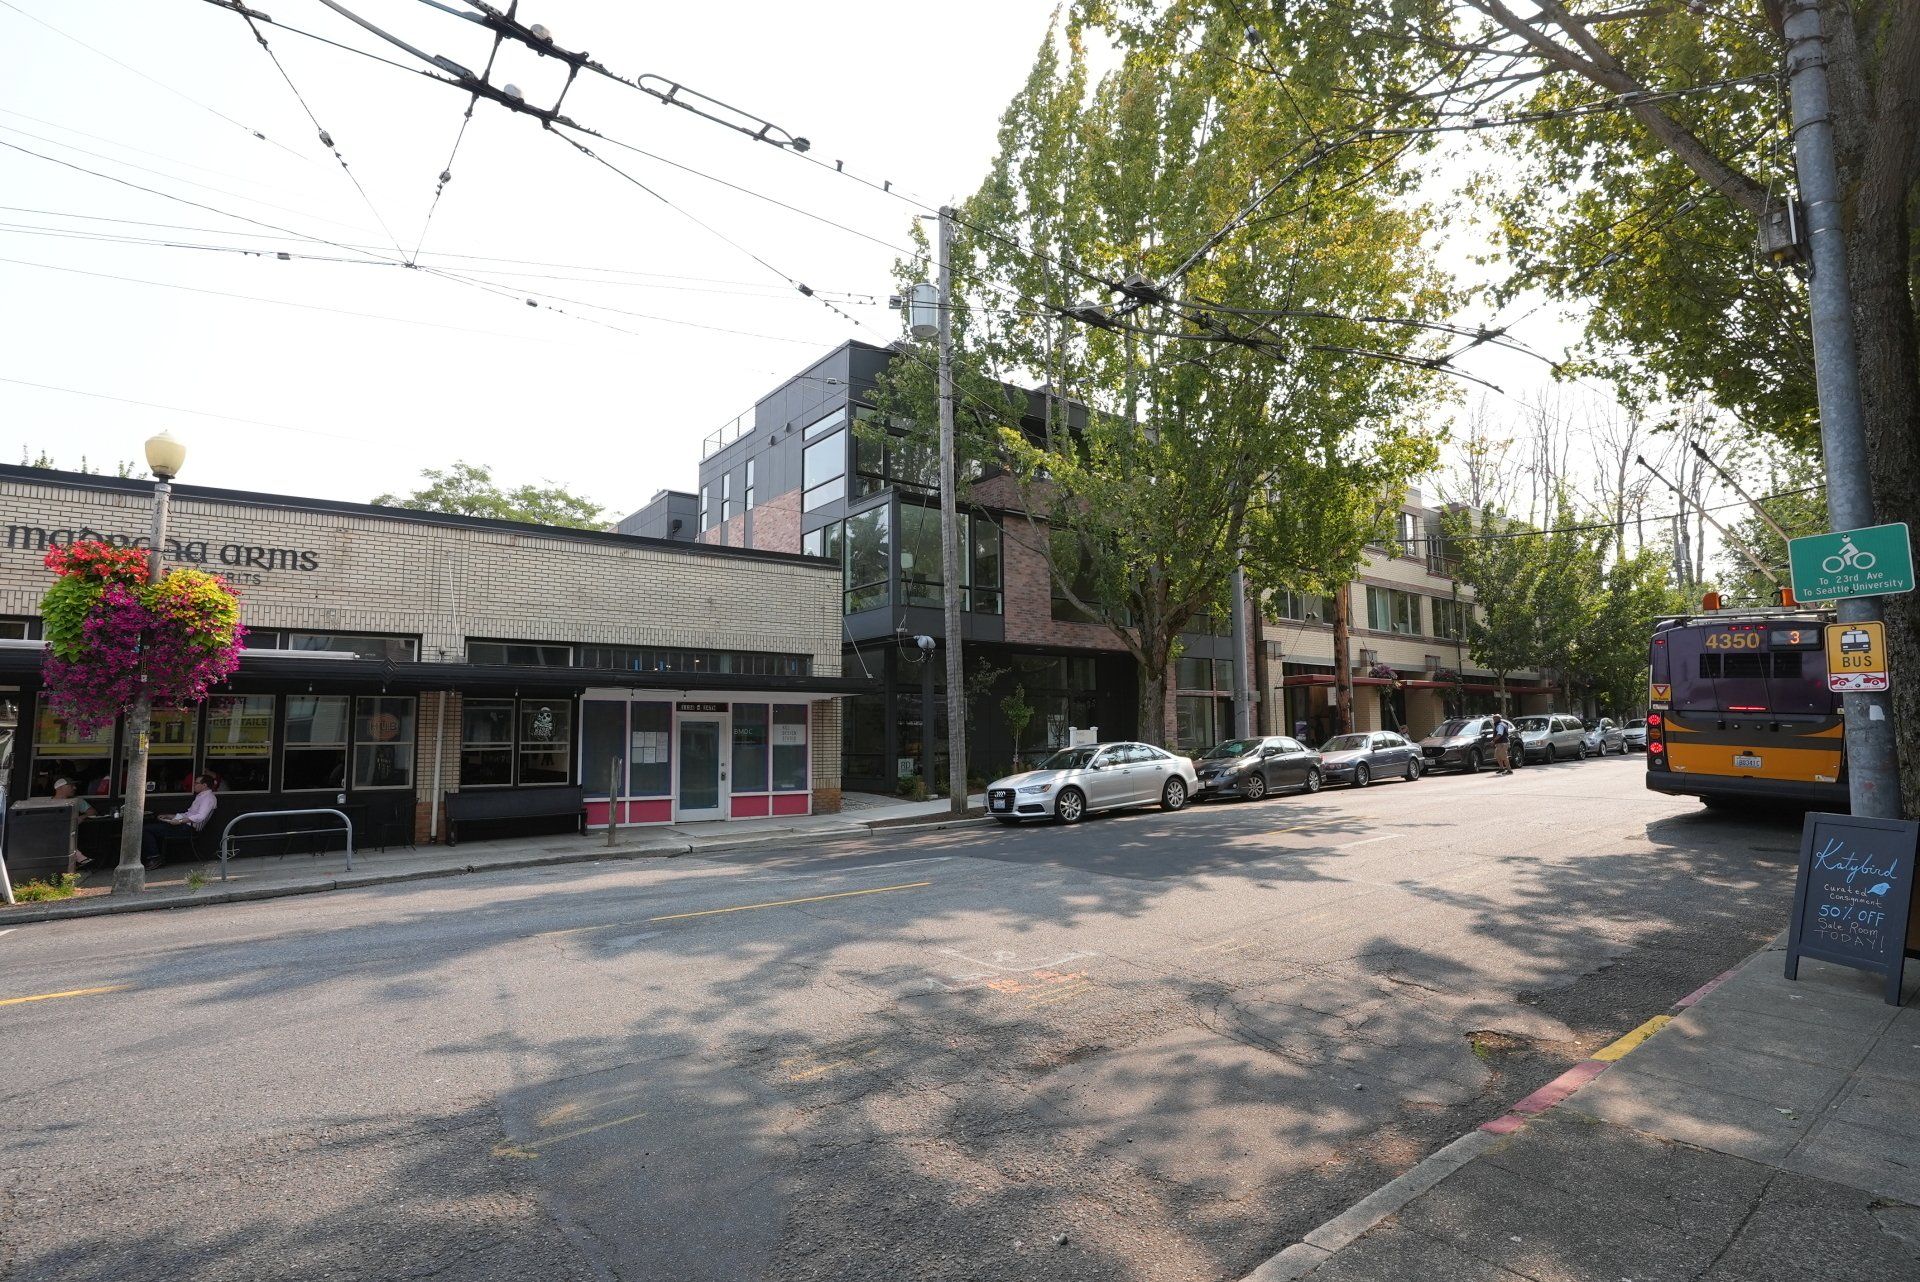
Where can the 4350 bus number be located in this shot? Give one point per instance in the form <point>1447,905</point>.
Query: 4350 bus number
<point>1732,641</point>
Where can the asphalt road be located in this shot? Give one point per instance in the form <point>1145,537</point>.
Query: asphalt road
<point>1153,1046</point>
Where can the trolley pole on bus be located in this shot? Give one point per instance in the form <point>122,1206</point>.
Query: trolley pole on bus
<point>1873,783</point>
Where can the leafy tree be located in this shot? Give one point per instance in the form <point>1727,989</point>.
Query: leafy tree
<point>1503,563</point>
<point>1612,655</point>
<point>1169,447</point>
<point>1799,514</point>
<point>40,458</point>
<point>469,490</point>
<point>1646,205</point>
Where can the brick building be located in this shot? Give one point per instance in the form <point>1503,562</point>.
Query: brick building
<point>397,656</point>
<point>812,469</point>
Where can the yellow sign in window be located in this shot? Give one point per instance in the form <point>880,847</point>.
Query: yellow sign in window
<point>1856,657</point>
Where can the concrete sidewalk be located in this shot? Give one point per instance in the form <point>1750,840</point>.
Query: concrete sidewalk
<point>275,876</point>
<point>1766,1131</point>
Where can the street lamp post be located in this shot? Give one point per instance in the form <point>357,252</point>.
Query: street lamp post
<point>164,459</point>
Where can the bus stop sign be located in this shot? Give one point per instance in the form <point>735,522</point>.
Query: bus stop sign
<point>1856,657</point>
<point>1874,561</point>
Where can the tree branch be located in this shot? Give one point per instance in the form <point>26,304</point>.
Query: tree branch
<point>1600,67</point>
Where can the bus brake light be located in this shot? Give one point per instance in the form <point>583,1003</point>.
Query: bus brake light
<point>1746,707</point>
<point>1656,747</point>
<point>1654,719</point>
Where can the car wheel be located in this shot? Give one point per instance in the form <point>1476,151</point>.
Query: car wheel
<point>1553,755</point>
<point>1413,769</point>
<point>1070,807</point>
<point>1312,785</point>
<point>1362,776</point>
<point>1583,750</point>
<point>1475,762</point>
<point>1174,795</point>
<point>1256,786</point>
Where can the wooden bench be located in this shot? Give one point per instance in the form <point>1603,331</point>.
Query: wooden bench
<point>494,804</point>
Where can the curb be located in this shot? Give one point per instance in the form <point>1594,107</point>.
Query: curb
<point>108,907</point>
<point>1318,1246</point>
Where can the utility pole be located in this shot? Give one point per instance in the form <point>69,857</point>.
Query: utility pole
<point>1242,668</point>
<point>1873,784</point>
<point>950,537</point>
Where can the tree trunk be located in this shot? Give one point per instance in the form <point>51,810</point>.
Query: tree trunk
<point>1153,705</point>
<point>1876,129</point>
<point>130,876</point>
<point>1342,663</point>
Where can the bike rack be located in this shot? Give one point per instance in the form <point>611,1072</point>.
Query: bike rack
<point>226,834</point>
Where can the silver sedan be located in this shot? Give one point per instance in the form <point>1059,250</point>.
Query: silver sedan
<point>1074,782</point>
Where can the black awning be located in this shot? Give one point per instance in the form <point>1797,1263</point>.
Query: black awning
<point>509,677</point>
<point>283,668</point>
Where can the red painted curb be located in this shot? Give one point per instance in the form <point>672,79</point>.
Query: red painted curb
<point>1547,1096</point>
<point>1704,989</point>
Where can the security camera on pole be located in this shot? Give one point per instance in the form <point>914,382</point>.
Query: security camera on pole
<point>930,314</point>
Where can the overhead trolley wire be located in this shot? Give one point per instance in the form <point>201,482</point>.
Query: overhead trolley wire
<point>326,139</point>
<point>251,131</point>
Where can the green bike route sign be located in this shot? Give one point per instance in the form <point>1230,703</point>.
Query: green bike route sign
<point>1874,561</point>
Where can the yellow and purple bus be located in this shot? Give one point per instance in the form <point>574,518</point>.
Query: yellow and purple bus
<point>1739,709</point>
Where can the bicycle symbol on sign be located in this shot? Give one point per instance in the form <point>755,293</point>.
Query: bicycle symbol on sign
<point>1849,556</point>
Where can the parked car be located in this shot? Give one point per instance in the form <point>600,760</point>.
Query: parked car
<point>1359,759</point>
<point>1635,735</point>
<point>1461,743</point>
<point>1604,735</point>
<point>1552,736</point>
<point>1252,768</point>
<point>1074,782</point>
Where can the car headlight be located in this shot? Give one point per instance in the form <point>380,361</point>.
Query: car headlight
<point>1033,788</point>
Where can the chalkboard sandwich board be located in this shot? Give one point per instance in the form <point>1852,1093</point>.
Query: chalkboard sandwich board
<point>1854,895</point>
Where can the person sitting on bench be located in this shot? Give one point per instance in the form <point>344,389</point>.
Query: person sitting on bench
<point>195,816</point>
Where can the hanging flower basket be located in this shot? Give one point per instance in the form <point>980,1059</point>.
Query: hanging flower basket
<point>112,631</point>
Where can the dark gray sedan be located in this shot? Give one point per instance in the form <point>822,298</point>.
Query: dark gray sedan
<point>1359,759</point>
<point>1252,768</point>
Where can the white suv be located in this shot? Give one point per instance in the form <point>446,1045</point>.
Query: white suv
<point>1552,736</point>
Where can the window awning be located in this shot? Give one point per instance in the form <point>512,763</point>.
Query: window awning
<point>333,673</point>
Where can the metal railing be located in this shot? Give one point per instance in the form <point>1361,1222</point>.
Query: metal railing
<point>226,834</point>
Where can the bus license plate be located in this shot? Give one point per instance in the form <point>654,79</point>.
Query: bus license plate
<point>1746,761</point>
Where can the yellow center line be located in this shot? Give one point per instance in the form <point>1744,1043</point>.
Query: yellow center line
<point>1617,1049</point>
<point>71,992</point>
<point>782,903</point>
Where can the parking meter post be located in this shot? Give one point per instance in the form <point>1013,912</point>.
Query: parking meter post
<point>1873,784</point>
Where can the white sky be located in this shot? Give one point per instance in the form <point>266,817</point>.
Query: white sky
<point>435,370</point>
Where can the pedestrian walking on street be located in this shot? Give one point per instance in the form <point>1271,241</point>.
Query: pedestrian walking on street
<point>1502,744</point>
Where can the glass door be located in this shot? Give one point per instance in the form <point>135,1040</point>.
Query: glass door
<point>700,785</point>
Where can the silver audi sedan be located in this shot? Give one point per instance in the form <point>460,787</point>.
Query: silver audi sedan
<point>1073,782</point>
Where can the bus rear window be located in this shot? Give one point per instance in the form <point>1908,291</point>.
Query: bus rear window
<point>1714,666</point>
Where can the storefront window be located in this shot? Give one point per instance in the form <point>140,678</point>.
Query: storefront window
<point>486,743</point>
<point>864,731</point>
<point>747,498</point>
<point>240,741</point>
<point>546,741</point>
<point>650,765</point>
<point>383,742</point>
<point>170,748</point>
<point>867,554</point>
<point>749,747</point>
<point>315,755</point>
<point>61,752</point>
<point>603,733</point>
<point>1196,722</point>
<point>790,747</point>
